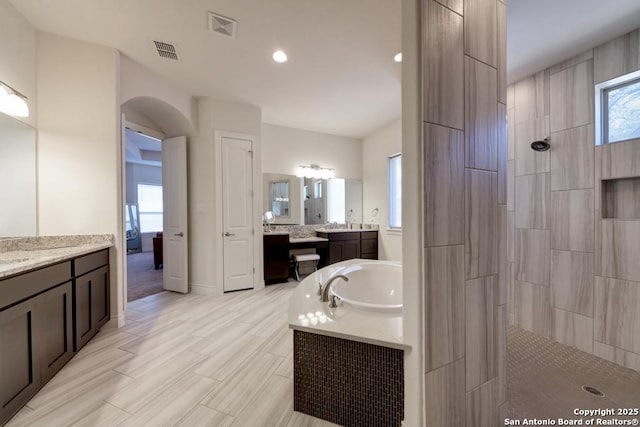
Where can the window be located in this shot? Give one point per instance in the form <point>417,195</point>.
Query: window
<point>395,191</point>
<point>150,207</point>
<point>618,109</point>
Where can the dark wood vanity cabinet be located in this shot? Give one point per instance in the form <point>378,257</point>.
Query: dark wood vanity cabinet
<point>91,296</point>
<point>36,332</point>
<point>46,315</point>
<point>351,244</point>
<point>276,258</point>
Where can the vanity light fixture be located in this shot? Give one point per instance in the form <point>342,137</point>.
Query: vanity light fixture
<point>398,57</point>
<point>13,102</point>
<point>279,56</point>
<point>314,171</point>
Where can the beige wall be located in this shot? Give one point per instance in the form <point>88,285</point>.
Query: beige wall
<point>376,149</point>
<point>566,279</point>
<point>18,53</point>
<point>287,148</point>
<point>79,185</point>
<point>464,211</point>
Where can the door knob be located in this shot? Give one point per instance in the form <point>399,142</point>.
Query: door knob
<point>227,234</point>
<point>180,234</point>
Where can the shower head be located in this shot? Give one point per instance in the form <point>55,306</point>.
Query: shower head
<point>541,145</point>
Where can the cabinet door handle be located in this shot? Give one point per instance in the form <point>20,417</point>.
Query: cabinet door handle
<point>180,234</point>
<point>227,234</point>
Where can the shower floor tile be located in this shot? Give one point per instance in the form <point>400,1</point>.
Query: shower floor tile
<point>545,380</point>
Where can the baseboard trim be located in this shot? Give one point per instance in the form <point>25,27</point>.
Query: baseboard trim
<point>205,290</point>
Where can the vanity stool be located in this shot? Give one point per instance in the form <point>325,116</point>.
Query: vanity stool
<point>303,258</point>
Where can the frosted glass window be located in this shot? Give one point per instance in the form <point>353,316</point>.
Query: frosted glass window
<point>150,207</point>
<point>395,191</point>
<point>622,113</point>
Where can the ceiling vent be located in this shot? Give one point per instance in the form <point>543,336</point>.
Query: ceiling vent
<point>222,25</point>
<point>166,50</point>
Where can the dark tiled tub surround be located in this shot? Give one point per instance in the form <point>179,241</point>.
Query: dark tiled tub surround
<point>347,382</point>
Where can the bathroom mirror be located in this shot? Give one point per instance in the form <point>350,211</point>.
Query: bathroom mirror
<point>332,200</point>
<point>18,177</point>
<point>282,197</point>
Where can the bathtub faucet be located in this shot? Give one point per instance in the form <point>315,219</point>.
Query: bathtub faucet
<point>324,290</point>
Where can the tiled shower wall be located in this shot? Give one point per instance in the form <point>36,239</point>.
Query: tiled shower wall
<point>465,211</point>
<point>573,276</point>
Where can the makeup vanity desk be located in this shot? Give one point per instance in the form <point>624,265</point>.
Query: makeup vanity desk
<point>332,246</point>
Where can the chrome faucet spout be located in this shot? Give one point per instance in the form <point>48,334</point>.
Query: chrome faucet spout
<point>324,290</point>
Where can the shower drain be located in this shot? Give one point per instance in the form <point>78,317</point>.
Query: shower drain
<point>592,390</point>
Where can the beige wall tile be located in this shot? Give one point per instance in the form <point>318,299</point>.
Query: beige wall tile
<point>482,405</point>
<point>455,5</point>
<point>534,311</point>
<point>443,66</point>
<point>584,56</point>
<point>444,299</point>
<point>621,198</point>
<point>481,115</point>
<point>572,158</point>
<point>502,154</point>
<point>617,57</point>
<point>503,262</point>
<point>445,395</point>
<point>511,133</point>
<point>481,30</point>
<point>529,161</point>
<point>444,186</point>
<point>511,236</point>
<point>532,200</point>
<point>481,222</point>
<point>572,97</point>
<point>501,10</point>
<point>617,355</point>
<point>617,318</point>
<point>619,160</point>
<point>481,330</point>
<point>572,219</point>
<point>620,248</point>
<point>502,353</point>
<point>574,330</point>
<point>511,185</point>
<point>572,281</point>
<point>511,97</point>
<point>532,97</point>
<point>532,256</point>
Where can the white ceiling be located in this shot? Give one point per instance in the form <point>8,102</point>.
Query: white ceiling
<point>340,78</point>
<point>541,33</point>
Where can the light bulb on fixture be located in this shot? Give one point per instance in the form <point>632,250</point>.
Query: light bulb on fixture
<point>13,102</point>
<point>398,57</point>
<point>314,171</point>
<point>279,56</point>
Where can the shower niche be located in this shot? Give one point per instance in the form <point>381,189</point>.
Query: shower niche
<point>621,198</point>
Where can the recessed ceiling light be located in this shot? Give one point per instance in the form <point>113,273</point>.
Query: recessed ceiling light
<point>279,56</point>
<point>398,57</point>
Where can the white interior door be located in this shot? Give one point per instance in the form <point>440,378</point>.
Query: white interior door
<point>174,193</point>
<point>237,213</point>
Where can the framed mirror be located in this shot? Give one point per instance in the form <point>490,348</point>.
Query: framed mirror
<point>282,197</point>
<point>18,216</point>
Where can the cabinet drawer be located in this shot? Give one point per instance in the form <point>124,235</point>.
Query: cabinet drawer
<point>28,284</point>
<point>366,235</point>
<point>90,262</point>
<point>348,235</point>
<point>369,246</point>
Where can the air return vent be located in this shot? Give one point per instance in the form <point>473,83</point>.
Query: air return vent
<point>222,25</point>
<point>166,50</point>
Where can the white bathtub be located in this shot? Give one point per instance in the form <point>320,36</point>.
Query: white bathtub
<point>370,309</point>
<point>372,286</point>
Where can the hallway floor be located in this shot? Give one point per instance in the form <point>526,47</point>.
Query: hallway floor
<point>186,360</point>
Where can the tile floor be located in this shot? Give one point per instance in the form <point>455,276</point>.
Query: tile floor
<point>187,360</point>
<point>545,379</point>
